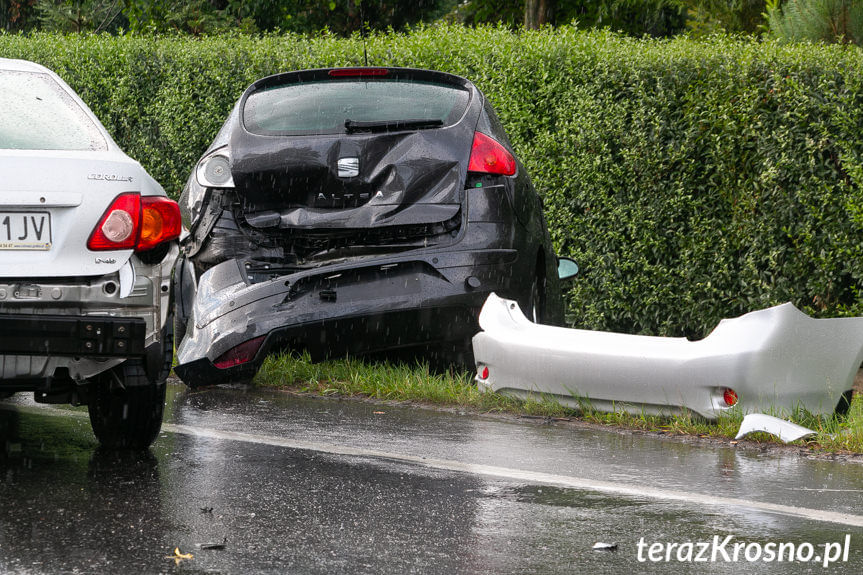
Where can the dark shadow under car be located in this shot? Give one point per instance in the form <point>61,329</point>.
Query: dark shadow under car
<point>354,211</point>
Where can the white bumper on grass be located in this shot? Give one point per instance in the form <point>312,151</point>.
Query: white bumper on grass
<point>775,360</point>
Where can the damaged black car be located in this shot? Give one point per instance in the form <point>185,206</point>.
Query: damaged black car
<point>355,211</point>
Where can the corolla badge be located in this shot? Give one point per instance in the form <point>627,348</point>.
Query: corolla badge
<point>109,177</point>
<point>349,167</point>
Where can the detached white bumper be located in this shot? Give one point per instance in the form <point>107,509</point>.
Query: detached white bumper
<point>776,360</point>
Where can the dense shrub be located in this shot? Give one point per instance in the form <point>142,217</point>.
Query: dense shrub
<point>691,180</point>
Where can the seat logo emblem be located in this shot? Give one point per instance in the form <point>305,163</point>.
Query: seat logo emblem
<point>349,167</point>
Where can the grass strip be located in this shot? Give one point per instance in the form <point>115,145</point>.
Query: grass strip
<point>416,383</point>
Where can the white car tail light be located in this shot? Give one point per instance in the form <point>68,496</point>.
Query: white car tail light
<point>118,227</point>
<point>160,222</point>
<point>135,222</point>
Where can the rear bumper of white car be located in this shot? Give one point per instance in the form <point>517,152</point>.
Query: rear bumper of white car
<point>775,360</point>
<point>72,329</point>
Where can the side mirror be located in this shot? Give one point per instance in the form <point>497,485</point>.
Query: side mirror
<point>566,268</point>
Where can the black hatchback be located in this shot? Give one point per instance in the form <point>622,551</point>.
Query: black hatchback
<point>354,211</point>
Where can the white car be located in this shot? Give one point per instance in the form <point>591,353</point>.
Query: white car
<point>87,244</point>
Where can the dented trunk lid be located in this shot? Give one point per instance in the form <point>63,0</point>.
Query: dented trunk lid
<point>348,150</point>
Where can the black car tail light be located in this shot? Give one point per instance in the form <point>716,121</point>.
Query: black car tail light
<point>488,156</point>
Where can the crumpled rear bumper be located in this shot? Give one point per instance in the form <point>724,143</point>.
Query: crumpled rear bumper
<point>775,360</point>
<point>61,329</point>
<point>384,304</point>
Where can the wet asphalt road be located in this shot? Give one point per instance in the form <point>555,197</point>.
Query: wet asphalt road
<point>299,485</point>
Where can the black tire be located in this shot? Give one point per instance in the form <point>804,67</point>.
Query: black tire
<point>125,405</point>
<point>535,311</point>
<point>844,403</point>
<point>168,348</point>
<point>180,298</point>
<point>179,326</point>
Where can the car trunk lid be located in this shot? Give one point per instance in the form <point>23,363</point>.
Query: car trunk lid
<point>402,179</point>
<point>318,152</point>
<point>50,202</point>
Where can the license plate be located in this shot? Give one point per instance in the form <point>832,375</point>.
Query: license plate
<point>25,231</point>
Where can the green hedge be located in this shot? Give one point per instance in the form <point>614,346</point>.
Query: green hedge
<point>691,180</point>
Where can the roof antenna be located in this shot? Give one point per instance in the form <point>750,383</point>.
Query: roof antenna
<point>363,33</point>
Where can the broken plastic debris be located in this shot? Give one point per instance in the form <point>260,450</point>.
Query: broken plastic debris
<point>600,546</point>
<point>214,546</point>
<point>738,366</point>
<point>784,430</point>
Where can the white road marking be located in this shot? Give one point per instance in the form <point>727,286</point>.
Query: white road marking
<point>508,473</point>
<point>609,487</point>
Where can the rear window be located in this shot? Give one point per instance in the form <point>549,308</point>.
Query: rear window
<point>36,113</point>
<point>323,107</point>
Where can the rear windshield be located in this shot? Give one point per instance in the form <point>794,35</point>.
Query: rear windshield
<point>36,113</point>
<point>323,107</point>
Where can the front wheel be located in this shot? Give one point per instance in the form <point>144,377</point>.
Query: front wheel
<point>126,407</point>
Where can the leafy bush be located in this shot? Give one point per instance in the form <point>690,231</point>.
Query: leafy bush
<point>690,180</point>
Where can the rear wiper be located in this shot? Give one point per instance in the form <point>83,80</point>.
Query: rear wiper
<point>353,126</point>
